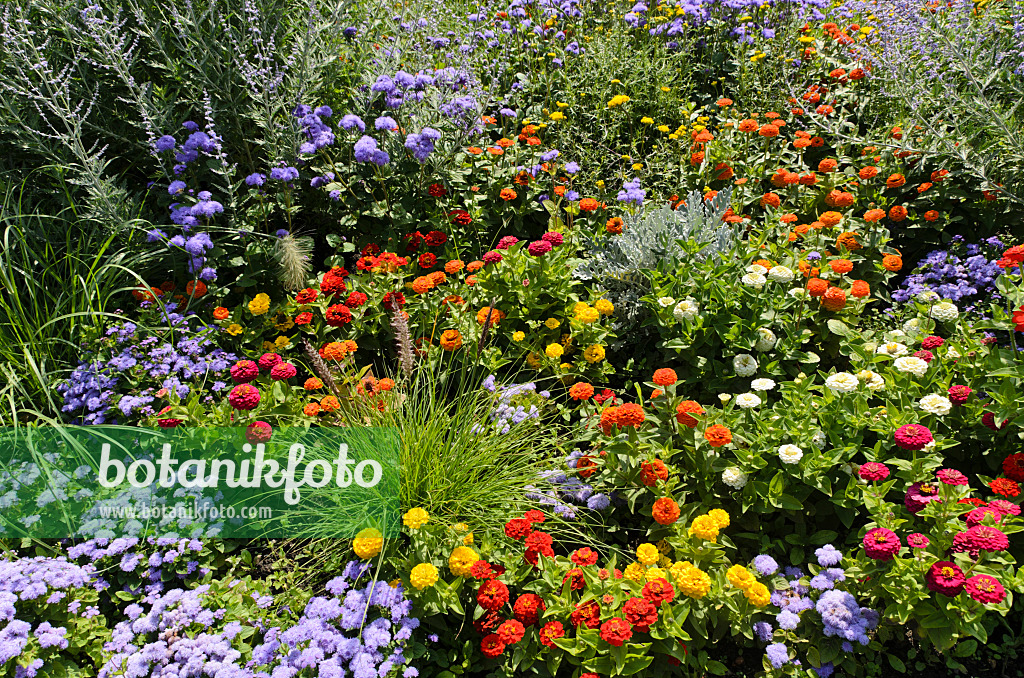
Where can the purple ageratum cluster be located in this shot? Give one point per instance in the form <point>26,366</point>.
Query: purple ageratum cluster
<point>178,635</point>
<point>402,87</point>
<point>149,363</point>
<point>318,133</point>
<point>422,144</point>
<point>964,274</point>
<point>507,410</point>
<point>154,560</point>
<point>358,632</point>
<point>43,590</point>
<point>209,143</point>
<point>632,193</point>
<point>565,493</point>
<point>844,618</point>
<point>366,150</point>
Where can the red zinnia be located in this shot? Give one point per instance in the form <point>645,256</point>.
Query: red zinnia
<point>492,595</point>
<point>653,471</point>
<point>518,528</point>
<point>616,631</point>
<point>511,631</point>
<point>491,645</point>
<point>1005,487</point>
<point>658,591</point>
<point>641,613</point>
<point>549,632</point>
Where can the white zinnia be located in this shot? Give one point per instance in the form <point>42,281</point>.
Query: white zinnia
<point>935,404</point>
<point>944,312</point>
<point>745,365</point>
<point>927,295</point>
<point>687,309</point>
<point>952,353</point>
<point>762,384</point>
<point>665,302</point>
<point>842,382</point>
<point>754,280</point>
<point>757,268</point>
<point>781,274</point>
<point>765,340</point>
<point>748,400</point>
<point>798,293</point>
<point>912,365</point>
<point>790,454</point>
<point>892,348</point>
<point>819,439</point>
<point>734,478</point>
<point>875,381</point>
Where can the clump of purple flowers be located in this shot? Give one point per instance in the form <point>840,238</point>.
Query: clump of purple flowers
<point>362,632</point>
<point>965,274</point>
<point>132,365</point>
<point>632,193</point>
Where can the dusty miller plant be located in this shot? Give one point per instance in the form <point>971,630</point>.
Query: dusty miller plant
<point>656,238</point>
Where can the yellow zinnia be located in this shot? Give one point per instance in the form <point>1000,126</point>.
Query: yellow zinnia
<point>260,304</point>
<point>423,575</point>
<point>415,518</point>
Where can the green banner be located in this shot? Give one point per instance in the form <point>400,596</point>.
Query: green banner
<point>114,481</point>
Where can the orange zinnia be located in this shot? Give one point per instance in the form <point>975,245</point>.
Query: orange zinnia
<point>860,289</point>
<point>816,287</point>
<point>830,219</point>
<point>895,181</point>
<point>454,266</point>
<point>841,266</point>
<point>630,414</point>
<point>220,313</point>
<point>848,240</point>
<point>581,391</point>
<point>892,262</point>
<point>614,225</point>
<point>665,511</point>
<point>898,213</point>
<point>451,340</point>
<point>685,409</point>
<point>665,377</point>
<point>718,435</point>
<point>834,299</point>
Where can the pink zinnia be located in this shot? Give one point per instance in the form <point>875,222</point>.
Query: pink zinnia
<point>873,471</point>
<point>989,420</point>
<point>258,432</point>
<point>986,538</point>
<point>244,371</point>
<point>538,248</point>
<point>985,589</point>
<point>975,516</point>
<point>946,578</point>
<point>958,395</point>
<point>881,544</point>
<point>244,397</point>
<point>932,341</point>
<point>269,360</point>
<point>1007,508</point>
<point>913,437</point>
<point>926,356</point>
<point>951,476</point>
<point>492,257</point>
<point>918,541</point>
<point>507,242</point>
<point>920,495</point>
<point>283,371</point>
<point>553,237</point>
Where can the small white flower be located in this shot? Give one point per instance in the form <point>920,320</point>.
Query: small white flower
<point>757,268</point>
<point>898,333</point>
<point>935,404</point>
<point>912,365</point>
<point>725,397</point>
<point>734,478</point>
<point>842,382</point>
<point>944,312</point>
<point>748,400</point>
<point>687,309</point>
<point>819,439</point>
<point>798,293</point>
<point>754,280</point>
<point>952,352</point>
<point>790,454</point>
<point>745,365</point>
<point>762,384</point>
<point>781,274</point>
<point>892,348</point>
<point>765,340</point>
<point>875,381</point>
<point>927,295</point>
<point>665,302</point>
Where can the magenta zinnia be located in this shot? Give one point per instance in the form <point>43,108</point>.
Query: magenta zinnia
<point>985,589</point>
<point>946,578</point>
<point>920,495</point>
<point>874,471</point>
<point>951,476</point>
<point>986,538</point>
<point>881,544</point>
<point>913,437</point>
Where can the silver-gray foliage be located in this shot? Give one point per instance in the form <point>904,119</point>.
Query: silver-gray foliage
<point>659,237</point>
